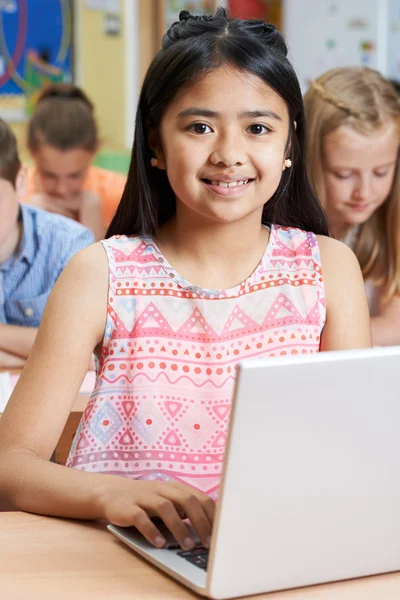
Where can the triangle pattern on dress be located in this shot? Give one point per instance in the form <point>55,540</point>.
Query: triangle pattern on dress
<point>172,407</point>
<point>289,311</point>
<point>171,439</point>
<point>197,326</point>
<point>126,438</point>
<point>153,316</point>
<point>83,442</point>
<point>128,407</point>
<point>221,410</point>
<point>87,411</point>
<point>314,313</point>
<point>220,440</point>
<point>238,321</point>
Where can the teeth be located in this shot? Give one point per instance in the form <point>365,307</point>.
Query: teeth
<point>230,184</point>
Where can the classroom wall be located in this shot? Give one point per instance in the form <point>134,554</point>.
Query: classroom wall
<point>100,68</point>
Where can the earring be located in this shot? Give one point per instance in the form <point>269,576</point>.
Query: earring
<point>287,164</point>
<point>154,162</point>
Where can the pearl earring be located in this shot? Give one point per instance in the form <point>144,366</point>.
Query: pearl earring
<point>154,162</point>
<point>288,163</point>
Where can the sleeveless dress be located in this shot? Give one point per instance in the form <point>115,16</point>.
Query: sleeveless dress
<point>161,403</point>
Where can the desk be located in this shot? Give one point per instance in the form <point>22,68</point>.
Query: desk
<point>43,558</point>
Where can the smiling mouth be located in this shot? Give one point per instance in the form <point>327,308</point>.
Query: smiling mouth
<point>227,184</point>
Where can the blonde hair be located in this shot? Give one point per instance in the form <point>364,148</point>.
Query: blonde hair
<point>360,98</point>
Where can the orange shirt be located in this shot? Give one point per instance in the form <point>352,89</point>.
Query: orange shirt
<point>108,185</point>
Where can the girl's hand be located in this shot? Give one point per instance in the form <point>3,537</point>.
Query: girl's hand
<point>133,503</point>
<point>66,207</point>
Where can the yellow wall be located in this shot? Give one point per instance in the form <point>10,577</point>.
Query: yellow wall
<point>102,71</point>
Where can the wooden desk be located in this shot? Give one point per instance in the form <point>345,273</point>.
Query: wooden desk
<point>43,558</point>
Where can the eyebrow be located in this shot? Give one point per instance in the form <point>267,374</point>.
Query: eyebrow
<point>382,166</point>
<point>249,114</point>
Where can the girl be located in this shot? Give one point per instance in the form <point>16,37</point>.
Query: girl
<point>353,119</point>
<point>63,139</point>
<point>214,255</point>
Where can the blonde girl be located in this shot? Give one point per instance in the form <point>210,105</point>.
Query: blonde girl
<point>353,122</point>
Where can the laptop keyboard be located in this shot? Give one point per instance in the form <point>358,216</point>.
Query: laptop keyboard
<point>198,556</point>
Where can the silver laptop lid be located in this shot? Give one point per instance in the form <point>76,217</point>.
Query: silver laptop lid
<point>311,486</point>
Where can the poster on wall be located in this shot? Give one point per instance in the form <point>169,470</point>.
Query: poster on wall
<point>35,50</point>
<point>343,34</point>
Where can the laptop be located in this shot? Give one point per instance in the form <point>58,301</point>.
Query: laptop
<point>320,499</point>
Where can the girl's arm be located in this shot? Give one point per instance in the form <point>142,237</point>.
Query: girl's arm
<point>10,361</point>
<point>17,339</point>
<point>386,325</point>
<point>72,326</point>
<point>91,215</point>
<point>347,316</point>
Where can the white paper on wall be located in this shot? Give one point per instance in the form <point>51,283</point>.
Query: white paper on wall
<point>323,34</point>
<point>394,40</point>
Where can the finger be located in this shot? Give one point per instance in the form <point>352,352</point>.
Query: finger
<point>147,528</point>
<point>198,517</point>
<point>169,515</point>
<point>207,502</point>
<point>209,507</point>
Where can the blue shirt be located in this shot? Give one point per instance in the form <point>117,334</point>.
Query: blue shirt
<point>47,243</point>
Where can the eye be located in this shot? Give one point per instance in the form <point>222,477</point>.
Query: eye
<point>381,173</point>
<point>342,175</point>
<point>200,128</point>
<point>258,129</point>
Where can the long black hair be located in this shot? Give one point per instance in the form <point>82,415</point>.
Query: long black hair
<point>192,47</point>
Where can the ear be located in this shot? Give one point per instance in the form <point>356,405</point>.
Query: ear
<point>21,183</point>
<point>155,146</point>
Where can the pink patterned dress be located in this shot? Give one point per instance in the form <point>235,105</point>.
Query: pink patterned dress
<point>161,403</point>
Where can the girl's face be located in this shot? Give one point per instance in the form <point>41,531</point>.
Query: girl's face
<point>62,173</point>
<point>358,173</point>
<point>223,145</point>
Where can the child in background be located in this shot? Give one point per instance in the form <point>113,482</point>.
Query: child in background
<point>63,139</point>
<point>34,248</point>
<point>215,254</point>
<point>353,121</point>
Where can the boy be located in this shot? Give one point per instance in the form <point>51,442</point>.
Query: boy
<point>35,246</point>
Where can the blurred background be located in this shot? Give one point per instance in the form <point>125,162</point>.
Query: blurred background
<point>105,46</point>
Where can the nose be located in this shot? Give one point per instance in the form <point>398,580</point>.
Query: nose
<point>363,190</point>
<point>229,151</point>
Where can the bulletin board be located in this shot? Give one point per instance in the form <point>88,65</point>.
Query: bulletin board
<point>323,34</point>
<point>35,49</point>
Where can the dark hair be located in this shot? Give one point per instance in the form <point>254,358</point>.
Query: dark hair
<point>10,163</point>
<point>64,119</point>
<point>396,84</point>
<point>191,48</point>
